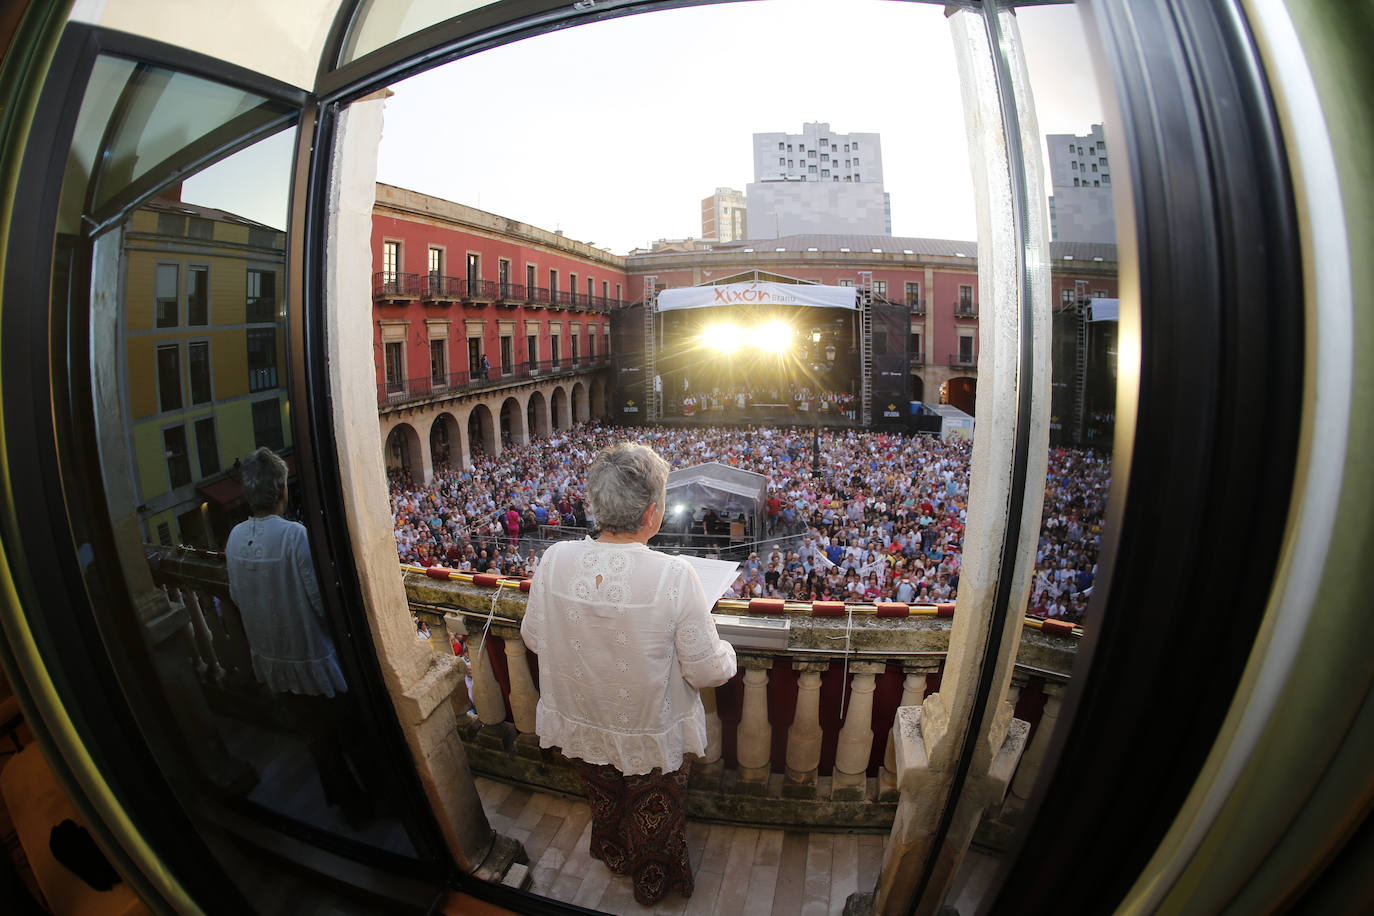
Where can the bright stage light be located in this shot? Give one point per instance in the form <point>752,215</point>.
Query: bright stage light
<point>771,337</point>
<point>721,338</point>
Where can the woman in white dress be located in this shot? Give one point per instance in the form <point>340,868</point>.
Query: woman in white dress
<point>625,638</point>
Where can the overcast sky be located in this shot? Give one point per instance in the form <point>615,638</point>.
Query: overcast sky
<point>613,132</point>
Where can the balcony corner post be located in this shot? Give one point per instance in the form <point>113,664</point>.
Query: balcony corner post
<point>913,694</point>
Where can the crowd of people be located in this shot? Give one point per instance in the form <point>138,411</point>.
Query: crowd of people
<point>883,522</point>
<point>800,399</point>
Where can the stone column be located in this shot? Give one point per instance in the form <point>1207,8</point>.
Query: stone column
<point>804,735</point>
<point>1029,770</point>
<point>419,681</point>
<point>754,739</point>
<point>913,692</point>
<point>524,698</point>
<point>850,780</point>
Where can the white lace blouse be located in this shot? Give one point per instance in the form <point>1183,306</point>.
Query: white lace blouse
<point>624,637</point>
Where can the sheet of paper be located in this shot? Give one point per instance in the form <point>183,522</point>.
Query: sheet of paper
<point>715,575</point>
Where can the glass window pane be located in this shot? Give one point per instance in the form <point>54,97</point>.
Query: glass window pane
<point>166,281</point>
<point>174,449</point>
<point>380,23</point>
<point>207,447</point>
<point>165,114</point>
<point>199,369</point>
<point>198,294</point>
<point>169,377</point>
<point>262,358</point>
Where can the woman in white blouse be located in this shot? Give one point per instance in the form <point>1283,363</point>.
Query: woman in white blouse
<point>625,639</point>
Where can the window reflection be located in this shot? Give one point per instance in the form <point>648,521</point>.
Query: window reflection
<point>188,352</point>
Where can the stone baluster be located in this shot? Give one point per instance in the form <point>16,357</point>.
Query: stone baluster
<point>706,769</point>
<point>913,694</point>
<point>850,780</point>
<point>207,663</point>
<point>1029,770</point>
<point>461,701</point>
<point>524,698</point>
<point>1018,682</point>
<point>804,735</point>
<point>486,690</point>
<point>754,739</point>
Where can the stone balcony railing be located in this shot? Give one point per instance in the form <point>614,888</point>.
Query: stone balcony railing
<point>799,738</point>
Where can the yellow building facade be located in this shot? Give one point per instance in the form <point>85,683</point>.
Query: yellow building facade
<point>203,340</point>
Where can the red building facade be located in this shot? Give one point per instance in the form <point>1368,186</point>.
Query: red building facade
<point>467,302</point>
<point>463,298</point>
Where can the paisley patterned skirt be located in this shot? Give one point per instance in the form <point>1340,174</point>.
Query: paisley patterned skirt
<point>639,828</point>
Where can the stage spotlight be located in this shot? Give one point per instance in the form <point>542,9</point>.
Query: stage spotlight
<point>721,338</point>
<point>677,510</point>
<point>771,337</point>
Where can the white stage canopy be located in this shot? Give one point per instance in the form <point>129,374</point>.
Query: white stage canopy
<point>758,293</point>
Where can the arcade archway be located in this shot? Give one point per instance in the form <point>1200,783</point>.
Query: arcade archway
<point>512,423</point>
<point>482,433</point>
<point>537,415</point>
<point>562,418</point>
<point>402,451</point>
<point>445,442</point>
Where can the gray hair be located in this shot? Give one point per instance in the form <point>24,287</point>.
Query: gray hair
<point>262,476</point>
<point>623,480</point>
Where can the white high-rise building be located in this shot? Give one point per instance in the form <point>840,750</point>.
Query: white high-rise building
<point>1081,180</point>
<point>818,181</point>
<point>723,216</point>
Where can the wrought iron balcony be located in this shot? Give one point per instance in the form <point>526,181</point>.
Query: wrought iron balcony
<point>917,305</point>
<point>440,290</point>
<point>964,308</point>
<point>399,392</point>
<point>479,292</point>
<point>958,361</point>
<point>393,288</point>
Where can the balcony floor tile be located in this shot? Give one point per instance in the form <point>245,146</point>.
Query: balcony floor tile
<point>743,870</point>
